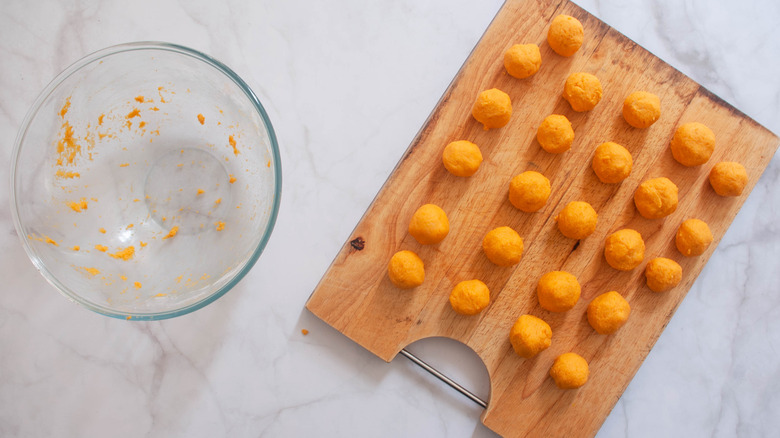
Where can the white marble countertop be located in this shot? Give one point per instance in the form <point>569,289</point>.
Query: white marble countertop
<point>348,84</point>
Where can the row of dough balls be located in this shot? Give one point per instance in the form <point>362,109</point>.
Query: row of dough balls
<point>559,291</point>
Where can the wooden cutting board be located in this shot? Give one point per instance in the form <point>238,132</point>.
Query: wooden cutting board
<point>356,297</point>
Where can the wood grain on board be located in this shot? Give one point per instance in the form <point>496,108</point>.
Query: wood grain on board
<point>356,297</point>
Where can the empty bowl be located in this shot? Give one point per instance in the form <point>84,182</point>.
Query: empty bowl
<point>145,181</point>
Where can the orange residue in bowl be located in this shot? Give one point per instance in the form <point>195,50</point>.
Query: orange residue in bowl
<point>67,147</point>
<point>101,248</point>
<point>78,206</point>
<point>124,254</point>
<point>134,113</point>
<point>172,233</point>
<point>44,238</point>
<point>218,201</point>
<point>76,248</point>
<point>67,174</point>
<point>154,108</point>
<point>220,225</point>
<point>232,179</point>
<point>201,191</point>
<point>100,120</point>
<point>201,119</point>
<point>123,277</point>
<point>137,284</point>
<point>178,279</point>
<point>139,99</point>
<point>142,124</point>
<point>142,243</point>
<point>304,332</point>
<point>65,108</point>
<point>92,271</point>
<point>232,142</point>
<point>102,230</point>
<point>160,295</point>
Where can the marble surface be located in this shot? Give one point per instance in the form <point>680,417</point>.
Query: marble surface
<point>348,84</point>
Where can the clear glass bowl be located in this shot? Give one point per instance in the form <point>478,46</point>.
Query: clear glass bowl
<point>145,181</point>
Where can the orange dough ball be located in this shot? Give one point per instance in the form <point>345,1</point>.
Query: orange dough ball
<point>406,270</point>
<point>429,224</point>
<point>656,198</point>
<point>493,108</point>
<point>565,35</point>
<point>641,109</point>
<point>583,91</point>
<point>462,158</point>
<point>555,134</point>
<point>503,246</point>
<point>522,60</point>
<point>530,336</point>
<point>608,312</point>
<point>558,291</point>
<point>693,237</point>
<point>662,274</point>
<point>612,163</point>
<point>624,249</point>
<point>728,178</point>
<point>577,220</point>
<point>569,371</point>
<point>529,191</point>
<point>692,144</point>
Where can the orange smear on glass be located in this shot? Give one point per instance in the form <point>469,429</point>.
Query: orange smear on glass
<point>92,271</point>
<point>160,295</point>
<point>102,230</point>
<point>101,248</point>
<point>142,124</point>
<point>76,248</point>
<point>124,254</point>
<point>124,278</point>
<point>139,99</point>
<point>137,284</point>
<point>201,119</point>
<point>218,201</point>
<point>232,179</point>
<point>100,120</point>
<point>172,233</point>
<point>67,174</point>
<point>233,143</point>
<point>201,191</point>
<point>143,244</point>
<point>78,206</point>
<point>220,225</point>
<point>65,107</point>
<point>134,113</point>
<point>67,147</point>
<point>305,332</point>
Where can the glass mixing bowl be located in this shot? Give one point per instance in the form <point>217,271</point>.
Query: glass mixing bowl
<point>145,181</point>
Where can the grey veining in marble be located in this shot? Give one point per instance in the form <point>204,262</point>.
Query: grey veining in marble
<point>347,85</point>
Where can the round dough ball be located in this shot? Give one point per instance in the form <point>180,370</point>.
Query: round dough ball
<point>656,198</point>
<point>662,274</point>
<point>429,224</point>
<point>558,291</point>
<point>522,60</point>
<point>608,312</point>
<point>612,162</point>
<point>582,91</point>
<point>462,158</point>
<point>624,249</point>
<point>693,237</point>
<point>469,297</point>
<point>577,220</point>
<point>529,191</point>
<point>728,178</point>
<point>692,144</point>
<point>406,270</point>
<point>569,371</point>
<point>641,109</point>
<point>493,108</point>
<point>565,35</point>
<point>555,134</point>
<point>503,246</point>
<point>530,336</point>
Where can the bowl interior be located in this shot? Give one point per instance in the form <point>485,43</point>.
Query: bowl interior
<point>145,181</point>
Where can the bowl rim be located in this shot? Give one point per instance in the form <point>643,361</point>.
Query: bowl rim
<point>277,169</point>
